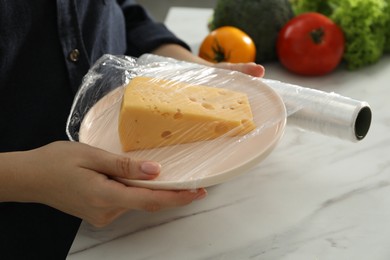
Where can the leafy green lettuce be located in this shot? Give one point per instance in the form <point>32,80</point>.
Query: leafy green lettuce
<point>365,23</point>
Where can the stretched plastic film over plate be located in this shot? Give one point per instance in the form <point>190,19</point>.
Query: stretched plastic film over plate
<point>314,110</point>
<point>203,125</point>
<point>194,120</point>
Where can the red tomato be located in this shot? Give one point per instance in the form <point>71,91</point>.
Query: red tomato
<point>310,44</point>
<point>228,44</point>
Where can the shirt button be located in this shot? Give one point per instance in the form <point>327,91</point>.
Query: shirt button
<point>74,55</point>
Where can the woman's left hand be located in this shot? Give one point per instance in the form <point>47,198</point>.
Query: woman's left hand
<point>180,53</point>
<point>251,68</point>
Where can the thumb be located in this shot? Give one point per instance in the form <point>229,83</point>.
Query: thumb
<point>121,166</point>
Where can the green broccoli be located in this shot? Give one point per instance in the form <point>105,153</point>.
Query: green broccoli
<point>366,26</point>
<point>387,43</point>
<point>321,6</point>
<point>260,19</point>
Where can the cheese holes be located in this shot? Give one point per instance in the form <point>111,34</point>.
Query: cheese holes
<point>244,121</point>
<point>166,134</point>
<point>208,106</point>
<point>178,115</point>
<point>221,128</point>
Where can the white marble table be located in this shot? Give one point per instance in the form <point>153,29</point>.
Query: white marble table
<point>313,197</point>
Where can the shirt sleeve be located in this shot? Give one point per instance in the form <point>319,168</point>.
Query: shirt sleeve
<point>143,34</point>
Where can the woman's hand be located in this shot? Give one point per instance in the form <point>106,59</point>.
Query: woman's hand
<point>178,52</point>
<point>251,68</point>
<point>76,178</point>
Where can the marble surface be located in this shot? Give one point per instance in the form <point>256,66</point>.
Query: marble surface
<point>313,197</point>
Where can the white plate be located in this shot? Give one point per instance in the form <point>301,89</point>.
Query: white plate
<point>201,164</point>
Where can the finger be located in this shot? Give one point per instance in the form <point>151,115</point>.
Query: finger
<point>121,166</point>
<point>252,69</point>
<point>155,200</point>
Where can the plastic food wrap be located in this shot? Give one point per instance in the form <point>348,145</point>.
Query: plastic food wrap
<point>193,100</point>
<point>326,113</point>
<point>329,114</point>
<point>191,92</point>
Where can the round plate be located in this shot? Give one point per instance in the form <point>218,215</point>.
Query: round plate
<point>200,164</point>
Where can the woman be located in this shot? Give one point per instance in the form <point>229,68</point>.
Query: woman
<point>47,184</point>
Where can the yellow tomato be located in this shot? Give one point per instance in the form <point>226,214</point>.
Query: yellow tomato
<point>228,44</point>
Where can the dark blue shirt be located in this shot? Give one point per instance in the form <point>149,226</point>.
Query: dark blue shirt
<point>46,47</point>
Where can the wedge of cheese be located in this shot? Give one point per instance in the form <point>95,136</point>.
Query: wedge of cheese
<point>156,113</point>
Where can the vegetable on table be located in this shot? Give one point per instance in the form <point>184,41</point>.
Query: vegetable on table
<point>365,23</point>
<point>310,44</point>
<point>228,44</point>
<point>260,19</point>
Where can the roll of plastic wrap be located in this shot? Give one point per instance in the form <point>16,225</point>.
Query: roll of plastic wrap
<point>326,113</point>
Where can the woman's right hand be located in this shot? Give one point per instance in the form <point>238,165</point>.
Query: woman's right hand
<point>77,179</point>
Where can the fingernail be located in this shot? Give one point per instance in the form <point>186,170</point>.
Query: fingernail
<point>150,167</point>
<point>201,195</point>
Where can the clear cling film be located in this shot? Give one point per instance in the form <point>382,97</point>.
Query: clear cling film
<point>329,114</point>
<point>203,125</point>
<point>326,113</point>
